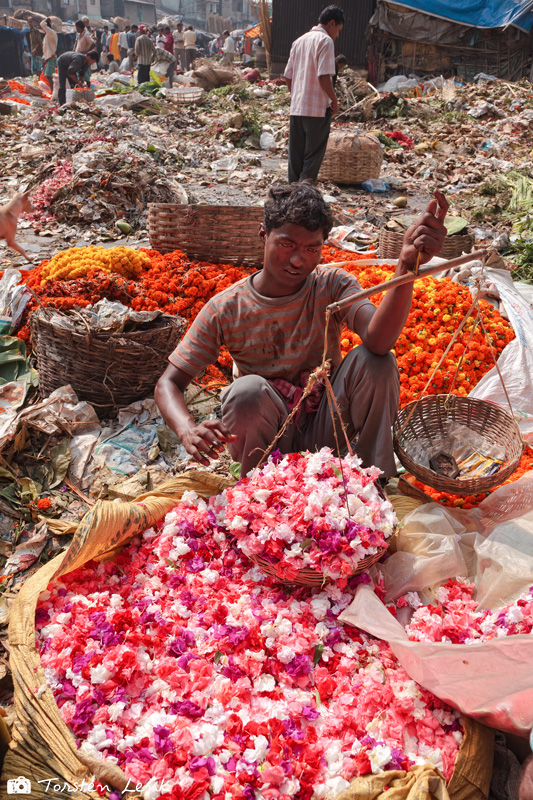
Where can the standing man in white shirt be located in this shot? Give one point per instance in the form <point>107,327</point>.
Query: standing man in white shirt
<point>123,43</point>
<point>228,49</point>
<point>309,76</point>
<point>49,52</point>
<point>179,47</point>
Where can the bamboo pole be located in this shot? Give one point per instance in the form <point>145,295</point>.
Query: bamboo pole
<point>401,280</point>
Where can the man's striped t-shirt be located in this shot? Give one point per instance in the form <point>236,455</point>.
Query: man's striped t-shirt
<point>274,337</point>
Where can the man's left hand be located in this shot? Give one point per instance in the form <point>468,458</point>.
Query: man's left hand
<point>425,237</point>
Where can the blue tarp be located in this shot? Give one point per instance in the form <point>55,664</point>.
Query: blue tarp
<point>478,13</point>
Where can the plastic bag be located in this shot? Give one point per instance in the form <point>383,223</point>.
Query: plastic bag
<point>516,361</point>
<point>267,141</point>
<point>375,185</point>
<point>493,547</point>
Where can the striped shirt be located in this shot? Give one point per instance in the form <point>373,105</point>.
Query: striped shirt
<point>274,337</point>
<point>312,55</point>
<point>144,48</point>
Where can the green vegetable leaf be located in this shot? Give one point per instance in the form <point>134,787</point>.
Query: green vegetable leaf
<point>235,469</point>
<point>319,649</point>
<point>317,699</point>
<point>218,656</point>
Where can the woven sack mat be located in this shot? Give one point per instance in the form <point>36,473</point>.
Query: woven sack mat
<point>42,747</point>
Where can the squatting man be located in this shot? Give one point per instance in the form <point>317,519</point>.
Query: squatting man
<point>273,324</point>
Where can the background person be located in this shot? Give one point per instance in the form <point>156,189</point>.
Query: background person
<point>70,66</point>
<point>49,52</point>
<point>144,52</point>
<point>112,65</point>
<point>84,43</point>
<point>189,41</point>
<point>179,46</point>
<point>228,49</point>
<point>35,43</point>
<point>309,76</point>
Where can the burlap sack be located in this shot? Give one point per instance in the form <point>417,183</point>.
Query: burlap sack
<point>43,750</point>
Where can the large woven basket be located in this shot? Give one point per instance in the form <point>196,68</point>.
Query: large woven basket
<point>351,157</point>
<point>219,234</point>
<point>108,370</point>
<point>426,425</point>
<point>390,244</point>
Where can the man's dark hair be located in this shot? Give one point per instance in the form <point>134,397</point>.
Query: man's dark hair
<point>80,24</point>
<point>110,57</point>
<point>134,27</point>
<point>331,13</point>
<point>225,33</point>
<point>299,203</point>
<point>341,59</point>
<point>106,27</point>
<point>48,22</point>
<point>93,54</point>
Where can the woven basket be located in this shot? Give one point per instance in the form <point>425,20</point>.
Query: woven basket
<point>310,577</point>
<point>184,95</point>
<point>427,424</point>
<point>108,370</point>
<point>390,244</point>
<point>218,234</point>
<point>351,157</point>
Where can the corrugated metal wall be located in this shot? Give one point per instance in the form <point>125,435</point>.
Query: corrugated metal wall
<point>291,18</point>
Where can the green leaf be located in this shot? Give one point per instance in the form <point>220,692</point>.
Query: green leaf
<point>235,469</point>
<point>218,656</point>
<point>306,544</point>
<point>60,461</point>
<point>317,698</point>
<point>337,471</point>
<point>319,649</point>
<point>171,563</point>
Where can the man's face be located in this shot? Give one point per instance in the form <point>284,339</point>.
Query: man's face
<point>30,23</point>
<point>333,29</point>
<point>291,254</point>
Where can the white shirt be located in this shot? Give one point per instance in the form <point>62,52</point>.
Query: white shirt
<point>229,45</point>
<point>49,42</point>
<point>123,40</point>
<point>312,55</point>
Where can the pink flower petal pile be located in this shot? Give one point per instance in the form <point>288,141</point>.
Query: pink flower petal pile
<point>456,617</point>
<point>185,665</point>
<point>308,511</point>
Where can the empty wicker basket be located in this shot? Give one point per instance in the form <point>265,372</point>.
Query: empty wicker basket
<point>427,424</point>
<point>218,234</point>
<point>351,157</point>
<point>109,370</point>
<point>390,244</point>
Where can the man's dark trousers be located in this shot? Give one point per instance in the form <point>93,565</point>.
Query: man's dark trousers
<point>143,73</point>
<point>308,139</point>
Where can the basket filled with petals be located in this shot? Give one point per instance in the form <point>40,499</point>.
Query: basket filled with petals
<point>308,518</point>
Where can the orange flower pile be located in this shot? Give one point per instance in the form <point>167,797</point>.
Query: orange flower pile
<point>437,310</point>
<point>472,500</point>
<point>171,282</point>
<point>177,285</point>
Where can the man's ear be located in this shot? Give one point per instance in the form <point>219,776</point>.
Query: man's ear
<point>262,233</point>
